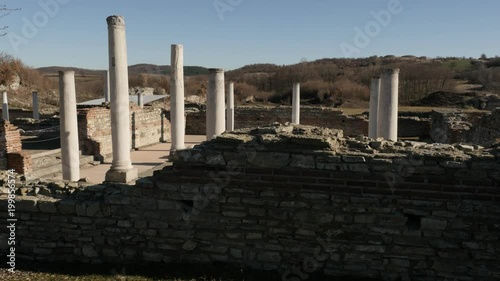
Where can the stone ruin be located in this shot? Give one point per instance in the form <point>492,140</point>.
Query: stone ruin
<point>286,198</point>
<point>281,198</point>
<point>451,126</point>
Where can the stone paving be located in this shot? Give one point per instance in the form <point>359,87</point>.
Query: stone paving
<point>145,160</point>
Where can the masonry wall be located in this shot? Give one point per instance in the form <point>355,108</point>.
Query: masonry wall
<point>11,154</point>
<point>281,201</point>
<point>250,117</point>
<point>148,126</point>
<point>452,126</point>
<point>22,113</point>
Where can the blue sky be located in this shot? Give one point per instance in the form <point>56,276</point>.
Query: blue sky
<point>232,33</point>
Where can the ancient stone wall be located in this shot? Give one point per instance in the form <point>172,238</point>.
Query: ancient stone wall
<point>11,154</point>
<point>22,113</point>
<point>250,117</point>
<point>452,126</point>
<point>293,199</point>
<point>148,126</point>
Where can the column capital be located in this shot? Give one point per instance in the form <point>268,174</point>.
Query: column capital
<point>215,70</point>
<point>114,20</point>
<point>391,71</point>
<point>67,72</point>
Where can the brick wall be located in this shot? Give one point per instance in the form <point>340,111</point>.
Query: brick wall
<point>11,154</point>
<point>148,127</point>
<point>281,199</point>
<point>249,117</point>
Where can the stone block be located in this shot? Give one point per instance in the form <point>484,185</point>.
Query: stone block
<point>365,219</point>
<point>370,248</point>
<point>269,257</point>
<point>47,207</point>
<point>27,205</point>
<point>189,245</point>
<point>353,159</point>
<point>436,224</point>
<point>303,161</point>
<point>118,176</point>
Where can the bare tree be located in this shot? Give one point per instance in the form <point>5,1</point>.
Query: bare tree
<point>5,11</point>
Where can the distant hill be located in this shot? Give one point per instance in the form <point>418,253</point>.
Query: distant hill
<point>151,69</point>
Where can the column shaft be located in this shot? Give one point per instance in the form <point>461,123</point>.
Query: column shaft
<point>216,123</point>
<point>230,108</point>
<point>374,105</point>
<point>140,100</point>
<point>296,104</point>
<point>70,154</point>
<point>5,107</point>
<point>388,105</point>
<point>121,167</point>
<point>36,106</point>
<point>106,87</point>
<point>177,117</point>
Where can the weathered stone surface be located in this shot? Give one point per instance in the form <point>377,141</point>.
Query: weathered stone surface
<point>303,161</point>
<point>269,257</point>
<point>47,206</point>
<point>353,221</point>
<point>89,251</point>
<point>434,224</point>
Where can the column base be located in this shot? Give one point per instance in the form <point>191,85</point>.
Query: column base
<point>122,176</point>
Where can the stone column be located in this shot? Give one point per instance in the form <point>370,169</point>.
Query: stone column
<point>177,117</point>
<point>296,104</point>
<point>215,103</point>
<point>140,100</point>
<point>106,87</point>
<point>70,153</point>
<point>374,104</point>
<point>121,168</point>
<point>388,105</point>
<point>5,107</point>
<point>36,106</point>
<point>230,108</point>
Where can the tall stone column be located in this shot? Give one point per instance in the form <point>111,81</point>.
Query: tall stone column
<point>216,123</point>
<point>296,104</point>
<point>5,107</point>
<point>70,153</point>
<point>388,105</point>
<point>230,108</point>
<point>121,168</point>
<point>36,106</point>
<point>177,117</point>
<point>106,87</point>
<point>374,104</point>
